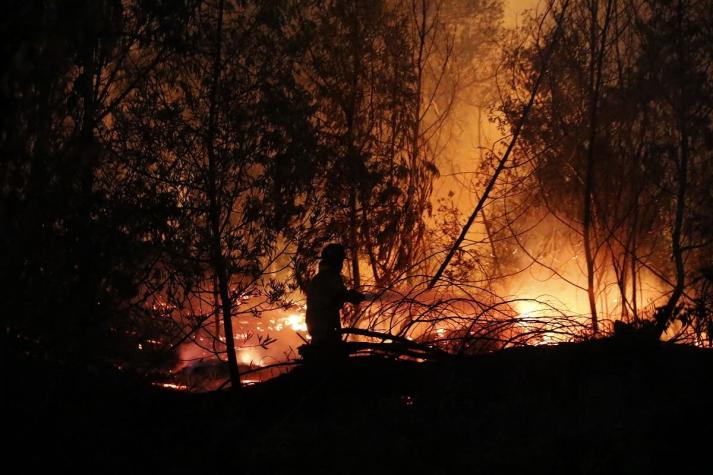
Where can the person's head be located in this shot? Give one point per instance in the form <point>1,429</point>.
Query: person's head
<point>334,255</point>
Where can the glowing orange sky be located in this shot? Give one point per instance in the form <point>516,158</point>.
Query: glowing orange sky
<point>514,8</point>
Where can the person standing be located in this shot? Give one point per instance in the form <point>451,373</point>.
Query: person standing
<point>326,295</point>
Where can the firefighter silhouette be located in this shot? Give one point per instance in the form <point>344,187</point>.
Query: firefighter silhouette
<point>326,294</point>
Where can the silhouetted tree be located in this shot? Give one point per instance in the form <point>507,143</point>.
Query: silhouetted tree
<point>372,91</point>
<point>78,235</point>
<point>612,132</point>
<point>233,141</point>
<point>676,60</point>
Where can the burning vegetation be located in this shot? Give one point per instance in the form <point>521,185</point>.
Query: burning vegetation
<point>171,171</point>
<point>170,175</point>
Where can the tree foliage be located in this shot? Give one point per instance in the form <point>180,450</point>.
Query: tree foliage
<point>648,148</point>
<point>78,234</point>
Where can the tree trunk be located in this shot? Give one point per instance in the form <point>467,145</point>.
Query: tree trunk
<point>218,259</point>
<point>634,273</point>
<point>216,306</point>
<point>676,246</point>
<point>597,59</point>
<point>356,277</point>
<point>668,312</point>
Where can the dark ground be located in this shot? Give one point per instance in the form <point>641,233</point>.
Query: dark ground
<point>601,407</point>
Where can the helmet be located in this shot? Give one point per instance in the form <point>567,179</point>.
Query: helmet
<point>333,253</point>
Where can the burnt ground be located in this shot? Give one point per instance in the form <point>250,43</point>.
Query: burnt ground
<point>599,407</point>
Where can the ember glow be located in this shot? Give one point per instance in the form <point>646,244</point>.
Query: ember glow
<point>539,309</point>
<point>500,213</point>
<point>296,321</point>
<point>565,236</point>
<point>201,361</point>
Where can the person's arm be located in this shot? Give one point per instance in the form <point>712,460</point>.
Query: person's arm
<point>342,293</point>
<point>354,296</point>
